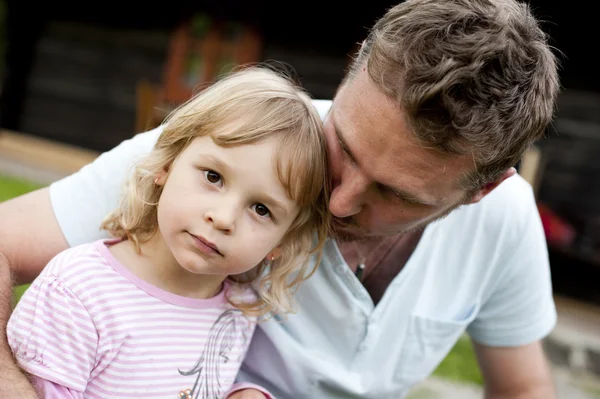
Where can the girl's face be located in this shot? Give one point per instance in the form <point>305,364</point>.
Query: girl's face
<point>223,210</point>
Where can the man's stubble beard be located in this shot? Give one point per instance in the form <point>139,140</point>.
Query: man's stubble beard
<point>347,229</point>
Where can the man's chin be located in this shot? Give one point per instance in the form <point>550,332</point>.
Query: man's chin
<point>343,231</point>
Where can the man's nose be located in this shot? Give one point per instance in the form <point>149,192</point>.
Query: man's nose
<point>347,198</point>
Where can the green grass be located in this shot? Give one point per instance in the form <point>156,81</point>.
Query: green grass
<point>18,292</point>
<point>11,187</point>
<point>594,392</point>
<point>460,365</point>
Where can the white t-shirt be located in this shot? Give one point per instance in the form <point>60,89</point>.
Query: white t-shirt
<point>483,269</point>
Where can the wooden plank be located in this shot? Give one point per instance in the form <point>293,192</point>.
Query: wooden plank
<point>42,153</point>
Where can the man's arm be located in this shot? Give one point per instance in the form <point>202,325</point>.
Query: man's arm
<point>29,238</point>
<point>517,308</point>
<point>14,384</point>
<point>515,373</point>
<point>29,235</point>
<point>248,394</point>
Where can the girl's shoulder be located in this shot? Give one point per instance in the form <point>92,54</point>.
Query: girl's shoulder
<point>73,258</point>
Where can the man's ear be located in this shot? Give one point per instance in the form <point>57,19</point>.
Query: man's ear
<point>485,190</point>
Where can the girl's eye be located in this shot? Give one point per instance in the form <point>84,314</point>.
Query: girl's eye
<point>261,210</point>
<point>212,177</point>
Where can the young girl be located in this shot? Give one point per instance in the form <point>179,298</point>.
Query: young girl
<point>233,194</point>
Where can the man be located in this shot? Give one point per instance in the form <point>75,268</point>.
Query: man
<point>435,233</point>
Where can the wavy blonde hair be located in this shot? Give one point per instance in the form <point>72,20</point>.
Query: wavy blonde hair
<point>250,104</point>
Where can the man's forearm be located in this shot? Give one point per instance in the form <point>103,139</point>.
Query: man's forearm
<point>538,392</point>
<point>13,382</point>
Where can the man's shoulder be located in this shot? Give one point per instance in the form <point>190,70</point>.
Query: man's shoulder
<point>143,141</point>
<point>512,200</point>
<point>323,107</point>
<point>500,220</point>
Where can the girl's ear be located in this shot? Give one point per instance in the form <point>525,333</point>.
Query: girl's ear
<point>161,178</point>
<point>274,254</point>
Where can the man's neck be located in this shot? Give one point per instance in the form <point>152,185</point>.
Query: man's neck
<point>383,259</point>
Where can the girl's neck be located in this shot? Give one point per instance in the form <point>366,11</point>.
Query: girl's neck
<point>157,266</point>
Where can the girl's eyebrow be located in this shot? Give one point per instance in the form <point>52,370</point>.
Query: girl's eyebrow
<point>271,202</point>
<point>218,162</point>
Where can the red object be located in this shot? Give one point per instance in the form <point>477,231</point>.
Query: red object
<point>558,231</point>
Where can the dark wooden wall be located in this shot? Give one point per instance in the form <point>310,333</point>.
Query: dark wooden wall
<point>71,72</point>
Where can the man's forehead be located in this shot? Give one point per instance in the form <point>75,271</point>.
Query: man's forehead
<point>375,130</point>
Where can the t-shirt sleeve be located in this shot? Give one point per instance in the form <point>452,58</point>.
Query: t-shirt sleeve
<point>246,385</point>
<point>519,308</point>
<point>49,390</point>
<point>82,200</point>
<point>52,335</point>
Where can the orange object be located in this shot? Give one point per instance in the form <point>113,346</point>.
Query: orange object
<point>201,49</point>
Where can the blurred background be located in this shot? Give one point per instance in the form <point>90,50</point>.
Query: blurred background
<point>77,79</point>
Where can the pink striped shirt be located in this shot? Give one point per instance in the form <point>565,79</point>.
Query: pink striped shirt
<point>88,325</point>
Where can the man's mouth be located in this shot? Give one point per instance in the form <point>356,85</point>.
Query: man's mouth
<point>346,229</point>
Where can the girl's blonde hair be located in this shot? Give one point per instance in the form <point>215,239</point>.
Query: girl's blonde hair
<point>244,107</point>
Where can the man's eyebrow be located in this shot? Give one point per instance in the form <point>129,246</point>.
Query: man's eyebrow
<point>401,194</point>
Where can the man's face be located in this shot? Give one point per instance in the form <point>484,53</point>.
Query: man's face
<point>384,181</point>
